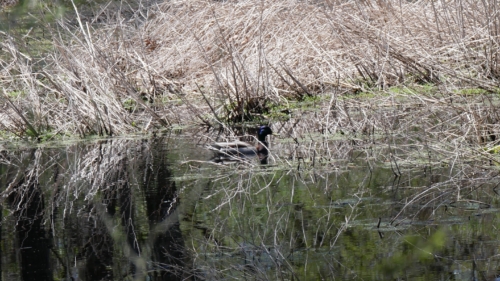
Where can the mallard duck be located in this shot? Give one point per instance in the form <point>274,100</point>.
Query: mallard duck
<point>236,150</point>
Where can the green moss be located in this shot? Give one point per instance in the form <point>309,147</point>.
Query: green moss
<point>471,91</point>
<point>363,95</point>
<point>400,90</point>
<point>4,135</point>
<point>493,150</point>
<point>426,88</point>
<point>414,89</point>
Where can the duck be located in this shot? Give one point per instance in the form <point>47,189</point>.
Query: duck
<point>237,150</point>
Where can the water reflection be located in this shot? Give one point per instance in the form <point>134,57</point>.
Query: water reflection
<point>127,209</point>
<point>102,211</point>
<point>27,202</point>
<point>226,158</point>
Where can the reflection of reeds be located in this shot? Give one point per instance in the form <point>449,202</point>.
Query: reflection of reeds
<point>118,198</point>
<point>115,195</point>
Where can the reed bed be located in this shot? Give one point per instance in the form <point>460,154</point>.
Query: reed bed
<point>420,70</point>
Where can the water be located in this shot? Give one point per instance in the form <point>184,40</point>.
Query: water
<point>154,209</point>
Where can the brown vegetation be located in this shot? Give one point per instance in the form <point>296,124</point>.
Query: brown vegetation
<point>210,62</point>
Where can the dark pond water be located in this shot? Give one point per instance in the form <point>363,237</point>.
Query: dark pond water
<point>153,209</point>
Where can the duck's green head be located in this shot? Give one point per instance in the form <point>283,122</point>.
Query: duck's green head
<point>263,132</point>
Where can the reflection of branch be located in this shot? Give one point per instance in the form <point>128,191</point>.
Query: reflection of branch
<point>415,198</point>
<point>61,261</point>
<point>163,226</point>
<point>346,224</point>
<point>119,237</point>
<point>396,172</point>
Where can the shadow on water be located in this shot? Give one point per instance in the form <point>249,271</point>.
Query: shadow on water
<point>102,211</point>
<point>150,209</point>
<point>27,202</point>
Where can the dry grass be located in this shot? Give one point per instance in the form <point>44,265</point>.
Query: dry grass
<point>209,62</point>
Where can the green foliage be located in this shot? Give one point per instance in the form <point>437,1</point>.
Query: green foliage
<point>47,136</point>
<point>493,150</point>
<point>30,133</point>
<point>129,104</point>
<point>15,94</point>
<point>8,135</point>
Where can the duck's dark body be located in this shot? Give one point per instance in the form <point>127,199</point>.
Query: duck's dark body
<point>235,151</point>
